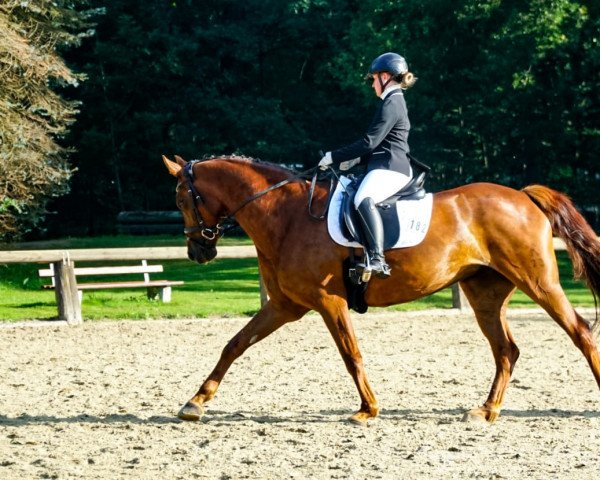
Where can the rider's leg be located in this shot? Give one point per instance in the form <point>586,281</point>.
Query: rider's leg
<point>380,184</point>
<point>373,233</point>
<point>377,186</point>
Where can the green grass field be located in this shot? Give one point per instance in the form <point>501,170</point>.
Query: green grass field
<point>227,287</point>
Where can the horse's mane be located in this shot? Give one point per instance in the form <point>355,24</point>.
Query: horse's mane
<point>255,161</point>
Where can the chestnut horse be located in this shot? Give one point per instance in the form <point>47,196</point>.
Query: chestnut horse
<point>489,238</point>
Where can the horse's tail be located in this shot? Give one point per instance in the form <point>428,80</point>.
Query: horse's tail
<point>568,224</point>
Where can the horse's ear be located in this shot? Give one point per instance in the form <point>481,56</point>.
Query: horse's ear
<point>180,161</point>
<point>172,167</point>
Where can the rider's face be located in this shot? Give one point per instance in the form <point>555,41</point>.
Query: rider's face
<point>376,85</point>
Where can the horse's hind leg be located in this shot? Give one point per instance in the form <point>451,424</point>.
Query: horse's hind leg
<point>548,293</point>
<point>488,293</point>
<point>271,316</point>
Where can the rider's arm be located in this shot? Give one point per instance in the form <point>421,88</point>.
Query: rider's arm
<point>384,119</point>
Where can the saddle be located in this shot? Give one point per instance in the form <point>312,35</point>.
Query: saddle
<point>413,190</point>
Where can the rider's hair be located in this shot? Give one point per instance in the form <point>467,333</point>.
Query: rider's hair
<point>406,80</point>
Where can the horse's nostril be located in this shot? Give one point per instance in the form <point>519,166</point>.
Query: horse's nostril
<point>201,252</point>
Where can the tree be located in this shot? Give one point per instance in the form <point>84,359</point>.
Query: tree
<point>33,116</point>
<point>199,78</point>
<point>507,90</point>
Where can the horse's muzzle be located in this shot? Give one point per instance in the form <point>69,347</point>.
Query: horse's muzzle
<point>201,252</point>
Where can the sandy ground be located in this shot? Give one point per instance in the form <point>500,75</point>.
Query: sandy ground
<point>99,402</point>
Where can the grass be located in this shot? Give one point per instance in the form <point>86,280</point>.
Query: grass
<point>226,287</point>
<point>222,287</point>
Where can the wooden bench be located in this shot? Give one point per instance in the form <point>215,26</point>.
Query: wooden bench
<point>66,293</point>
<point>154,288</point>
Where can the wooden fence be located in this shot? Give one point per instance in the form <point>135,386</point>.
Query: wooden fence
<point>99,254</point>
<point>149,222</point>
<point>63,262</point>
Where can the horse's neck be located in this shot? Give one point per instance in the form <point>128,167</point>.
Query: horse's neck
<point>256,217</point>
<point>244,182</point>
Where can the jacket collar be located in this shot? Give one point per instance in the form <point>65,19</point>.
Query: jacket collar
<point>389,90</point>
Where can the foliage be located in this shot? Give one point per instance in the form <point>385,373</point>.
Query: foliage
<point>197,78</point>
<point>33,116</point>
<point>507,90</point>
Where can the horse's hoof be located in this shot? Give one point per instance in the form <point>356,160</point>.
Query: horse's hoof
<point>191,412</point>
<point>480,415</point>
<point>361,419</point>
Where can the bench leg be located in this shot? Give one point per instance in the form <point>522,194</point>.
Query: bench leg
<point>165,294</point>
<point>152,293</point>
<point>162,293</point>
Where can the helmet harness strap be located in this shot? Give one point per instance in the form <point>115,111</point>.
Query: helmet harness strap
<point>381,84</point>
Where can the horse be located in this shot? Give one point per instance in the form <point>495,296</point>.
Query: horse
<point>489,238</point>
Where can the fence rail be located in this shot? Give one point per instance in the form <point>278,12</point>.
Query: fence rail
<point>137,253</point>
<point>63,259</point>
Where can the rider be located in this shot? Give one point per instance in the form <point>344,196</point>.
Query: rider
<point>384,149</point>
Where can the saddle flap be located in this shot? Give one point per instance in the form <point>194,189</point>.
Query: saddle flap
<point>405,222</point>
<point>349,219</point>
<point>351,224</point>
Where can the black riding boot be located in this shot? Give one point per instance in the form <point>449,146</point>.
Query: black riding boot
<point>373,235</point>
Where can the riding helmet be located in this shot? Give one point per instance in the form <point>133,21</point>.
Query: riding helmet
<point>389,62</point>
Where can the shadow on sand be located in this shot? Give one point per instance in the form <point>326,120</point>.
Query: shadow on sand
<point>217,417</point>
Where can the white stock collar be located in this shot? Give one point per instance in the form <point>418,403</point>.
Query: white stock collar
<point>389,90</point>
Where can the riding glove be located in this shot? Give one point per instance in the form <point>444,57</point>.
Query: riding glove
<point>348,164</point>
<point>325,161</point>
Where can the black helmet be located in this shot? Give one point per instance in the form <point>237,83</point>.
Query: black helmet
<point>389,62</point>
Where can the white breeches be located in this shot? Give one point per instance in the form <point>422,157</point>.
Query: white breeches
<point>380,184</point>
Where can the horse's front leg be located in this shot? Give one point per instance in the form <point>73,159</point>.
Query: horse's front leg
<point>265,322</point>
<point>337,318</point>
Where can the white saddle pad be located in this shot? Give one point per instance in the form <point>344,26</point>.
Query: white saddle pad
<point>413,215</point>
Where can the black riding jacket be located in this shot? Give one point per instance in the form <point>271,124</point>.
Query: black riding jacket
<point>385,144</point>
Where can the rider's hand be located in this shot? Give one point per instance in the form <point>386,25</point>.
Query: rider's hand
<point>325,161</point>
<point>348,164</point>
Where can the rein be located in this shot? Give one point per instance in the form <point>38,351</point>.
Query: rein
<point>311,193</point>
<point>211,233</point>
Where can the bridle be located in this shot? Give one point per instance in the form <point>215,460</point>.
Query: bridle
<point>209,233</point>
<point>227,222</point>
